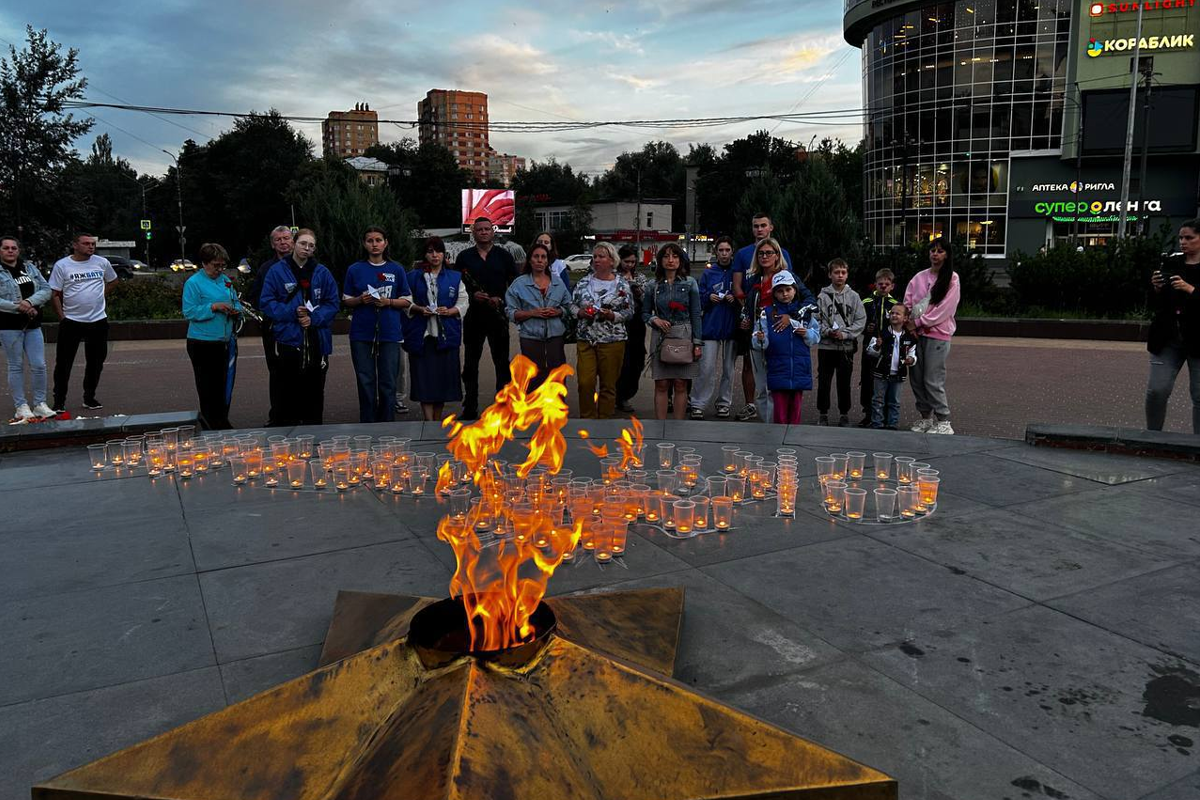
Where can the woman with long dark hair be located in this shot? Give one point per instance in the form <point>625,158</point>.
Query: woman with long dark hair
<point>673,313</point>
<point>301,297</point>
<point>376,291</point>
<point>634,360</point>
<point>1175,331</point>
<point>932,297</point>
<point>558,267</point>
<point>433,331</point>
<point>537,304</point>
<point>211,307</point>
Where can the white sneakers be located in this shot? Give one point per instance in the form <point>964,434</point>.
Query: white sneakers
<point>932,425</point>
<point>43,410</point>
<point>23,412</point>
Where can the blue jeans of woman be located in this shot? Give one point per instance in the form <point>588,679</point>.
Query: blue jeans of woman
<point>375,372</point>
<point>1164,368</point>
<point>19,346</point>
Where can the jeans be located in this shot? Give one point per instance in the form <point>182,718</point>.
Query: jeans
<point>475,332</point>
<point>762,397</point>
<point>598,362</point>
<point>715,353</point>
<point>274,377</point>
<point>19,346</point>
<point>928,377</point>
<point>830,364</point>
<point>1164,368</point>
<point>375,373</point>
<point>885,405</point>
<point>210,367</point>
<point>547,354</point>
<point>94,336</point>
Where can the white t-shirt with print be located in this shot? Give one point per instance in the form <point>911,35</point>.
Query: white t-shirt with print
<point>82,287</point>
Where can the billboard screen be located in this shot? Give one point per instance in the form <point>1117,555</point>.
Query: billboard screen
<point>498,205</point>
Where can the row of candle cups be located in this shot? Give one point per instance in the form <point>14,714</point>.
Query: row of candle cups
<point>905,502</point>
<point>131,452</point>
<point>884,467</point>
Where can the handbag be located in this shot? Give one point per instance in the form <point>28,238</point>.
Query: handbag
<point>676,345</point>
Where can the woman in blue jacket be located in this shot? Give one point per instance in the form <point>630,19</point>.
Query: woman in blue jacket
<point>211,307</point>
<point>433,331</point>
<point>785,338</point>
<point>23,292</point>
<point>537,304</point>
<point>301,297</point>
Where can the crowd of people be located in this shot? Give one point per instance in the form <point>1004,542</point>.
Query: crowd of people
<point>747,302</point>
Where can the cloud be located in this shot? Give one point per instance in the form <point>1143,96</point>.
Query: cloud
<point>638,84</point>
<point>616,41</point>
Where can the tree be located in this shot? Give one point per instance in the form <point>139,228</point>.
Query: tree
<point>108,190</point>
<point>656,171</point>
<point>551,183</point>
<point>428,180</point>
<point>846,164</point>
<point>332,200</point>
<point>814,220</point>
<point>36,138</point>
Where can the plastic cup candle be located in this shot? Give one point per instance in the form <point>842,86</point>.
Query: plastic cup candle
<point>668,512</point>
<point>716,486</point>
<point>666,455</point>
<point>116,452</point>
<point>133,452</point>
<point>399,479</point>
<point>927,489</point>
<point>237,465</point>
<point>319,474</point>
<point>740,460</point>
<point>620,531</point>
<point>700,521</point>
<point>156,457</point>
<point>97,456</point>
<point>907,500</point>
<point>825,465</point>
<point>185,464</point>
<point>381,474</point>
<point>885,504</point>
<point>904,469</point>
<point>341,477</point>
<point>685,514</point>
<point>640,493</point>
<point>785,499</point>
<point>602,536</point>
<point>296,470</point>
<point>199,460</point>
<point>855,463</point>
<point>253,458</point>
<point>840,466</point>
<point>668,480</point>
<point>416,481</point>
<point>728,452</point>
<point>883,466</point>
<point>735,487</point>
<point>834,496</point>
<point>270,476</point>
<point>654,502</point>
<point>856,503</point>
<point>758,484</point>
<point>722,509</point>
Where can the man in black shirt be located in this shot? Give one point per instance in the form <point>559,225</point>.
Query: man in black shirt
<point>487,271</point>
<point>281,243</point>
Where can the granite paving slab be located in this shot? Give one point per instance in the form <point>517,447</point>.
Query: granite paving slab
<point>125,499</point>
<point>246,678</point>
<point>933,754</point>
<point>1183,487</point>
<point>43,738</point>
<point>1090,704</point>
<point>1129,515</point>
<point>1099,467</point>
<point>1186,788</point>
<point>1002,482</point>
<point>101,637</point>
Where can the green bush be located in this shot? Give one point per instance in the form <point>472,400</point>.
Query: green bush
<point>157,297</point>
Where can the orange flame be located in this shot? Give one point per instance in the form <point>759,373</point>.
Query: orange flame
<point>502,581</point>
<point>599,452</point>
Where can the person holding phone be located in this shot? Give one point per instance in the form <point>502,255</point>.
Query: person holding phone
<point>1175,330</point>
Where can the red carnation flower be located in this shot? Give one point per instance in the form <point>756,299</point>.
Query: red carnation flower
<point>305,284</point>
<point>228,284</point>
<point>675,305</point>
<point>379,276</point>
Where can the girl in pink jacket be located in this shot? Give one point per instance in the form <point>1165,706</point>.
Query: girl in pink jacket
<point>933,296</point>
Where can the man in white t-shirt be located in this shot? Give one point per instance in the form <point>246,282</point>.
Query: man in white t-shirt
<point>80,283</point>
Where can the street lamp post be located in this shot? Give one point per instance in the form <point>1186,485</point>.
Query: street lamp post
<point>179,197</point>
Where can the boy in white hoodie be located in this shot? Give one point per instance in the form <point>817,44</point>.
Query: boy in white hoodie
<point>842,321</point>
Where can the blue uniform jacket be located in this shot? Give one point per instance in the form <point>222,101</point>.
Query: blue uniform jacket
<point>720,319</point>
<point>281,296</point>
<point>789,362</point>
<point>450,336</point>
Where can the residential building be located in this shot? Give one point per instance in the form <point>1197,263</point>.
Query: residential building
<point>458,121</point>
<point>349,133</point>
<point>501,169</point>
<point>371,171</point>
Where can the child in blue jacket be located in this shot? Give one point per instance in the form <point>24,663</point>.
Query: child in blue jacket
<point>785,332</point>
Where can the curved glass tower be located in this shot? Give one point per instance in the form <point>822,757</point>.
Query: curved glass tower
<point>952,90</point>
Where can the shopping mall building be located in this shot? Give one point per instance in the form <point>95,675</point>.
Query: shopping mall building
<point>1002,123</point>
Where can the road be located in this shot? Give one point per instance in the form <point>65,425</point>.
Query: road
<point>996,386</point>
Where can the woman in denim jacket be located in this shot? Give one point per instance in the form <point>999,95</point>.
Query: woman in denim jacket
<point>536,303</point>
<point>673,302</point>
<point>23,292</point>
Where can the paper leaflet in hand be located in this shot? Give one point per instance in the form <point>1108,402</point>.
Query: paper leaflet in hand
<point>308,304</point>
<point>371,290</point>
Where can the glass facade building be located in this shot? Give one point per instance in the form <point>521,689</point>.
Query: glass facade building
<point>952,91</point>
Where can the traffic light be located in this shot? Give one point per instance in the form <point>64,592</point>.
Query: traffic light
<point>147,236</point>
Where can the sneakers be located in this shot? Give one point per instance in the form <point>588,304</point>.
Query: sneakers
<point>823,419</point>
<point>23,412</point>
<point>625,407</point>
<point>843,421</point>
<point>722,412</point>
<point>695,413</point>
<point>43,410</point>
<point>942,426</point>
<point>92,404</point>
<point>923,425</point>
<point>747,413</point>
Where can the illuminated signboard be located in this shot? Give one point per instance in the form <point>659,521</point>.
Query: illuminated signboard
<point>1179,41</point>
<point>1100,9</point>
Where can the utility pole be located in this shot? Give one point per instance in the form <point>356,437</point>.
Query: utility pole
<point>639,213</point>
<point>904,189</point>
<point>179,197</point>
<point>1078,162</point>
<point>1147,69</point>
<point>1133,85</point>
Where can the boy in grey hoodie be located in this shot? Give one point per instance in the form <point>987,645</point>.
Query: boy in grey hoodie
<point>842,319</point>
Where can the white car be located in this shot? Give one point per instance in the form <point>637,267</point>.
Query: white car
<point>580,262</point>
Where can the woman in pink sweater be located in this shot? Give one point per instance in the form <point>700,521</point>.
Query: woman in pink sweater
<point>933,296</point>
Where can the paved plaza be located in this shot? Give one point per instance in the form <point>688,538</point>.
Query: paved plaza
<point>1035,637</point>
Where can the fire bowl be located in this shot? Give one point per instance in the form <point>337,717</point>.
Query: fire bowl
<point>439,634</point>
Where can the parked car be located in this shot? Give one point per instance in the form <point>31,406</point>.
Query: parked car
<point>580,262</point>
<point>124,267</point>
<point>182,265</point>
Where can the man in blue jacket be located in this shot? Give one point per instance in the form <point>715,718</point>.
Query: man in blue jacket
<point>719,307</point>
<point>301,296</point>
